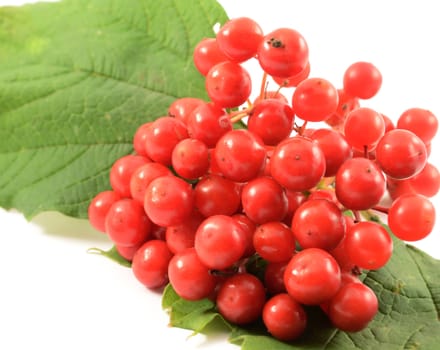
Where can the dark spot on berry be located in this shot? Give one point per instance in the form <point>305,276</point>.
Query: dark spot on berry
<point>277,43</point>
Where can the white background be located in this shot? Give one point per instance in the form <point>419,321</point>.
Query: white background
<point>54,295</point>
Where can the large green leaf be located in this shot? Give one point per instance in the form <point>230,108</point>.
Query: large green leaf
<point>76,79</point>
<point>408,289</point>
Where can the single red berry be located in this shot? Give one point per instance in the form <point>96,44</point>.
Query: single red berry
<point>228,84</point>
<point>127,224</point>
<point>189,277</point>
<point>298,164</point>
<point>315,99</point>
<point>353,307</point>
<point>239,38</point>
<point>283,53</point>
<point>150,264</point>
<point>240,155</point>
<point>362,80</point>
<point>312,276</point>
<point>99,207</point>
<point>241,298</point>
<point>284,317</point>
<point>169,200</point>
<point>207,54</point>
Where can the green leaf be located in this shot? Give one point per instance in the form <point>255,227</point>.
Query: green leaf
<point>408,289</point>
<point>77,77</point>
<point>111,254</point>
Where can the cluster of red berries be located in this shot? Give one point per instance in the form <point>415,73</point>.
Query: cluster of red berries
<point>200,200</point>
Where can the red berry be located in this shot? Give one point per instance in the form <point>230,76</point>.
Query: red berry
<point>274,241</point>
<point>183,107</point>
<point>283,53</point>
<point>368,244</point>
<point>150,264</point>
<point>284,317</point>
<point>99,207</point>
<point>169,200</point>
<point>240,155</point>
<point>318,223</point>
<point>411,217</point>
<point>362,80</point>
<point>401,154</point>
<point>420,121</point>
<point>264,200</point>
<point>315,99</point>
<point>360,184</point>
<point>239,38</point>
<point>207,54</point>
<point>219,242</point>
<point>364,128</point>
<point>241,298</point>
<point>121,172</point>
<point>353,307</point>
<point>127,224</point>
<point>228,84</point>
<point>298,164</point>
<point>272,120</point>
<point>162,136</point>
<point>312,276</point>
<point>189,277</point>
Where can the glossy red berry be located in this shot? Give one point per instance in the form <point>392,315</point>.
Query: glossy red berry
<point>298,164</point>
<point>169,200</point>
<point>284,317</point>
<point>362,80</point>
<point>401,154</point>
<point>99,207</point>
<point>312,276</point>
<point>239,38</point>
<point>228,84</point>
<point>315,99</point>
<point>283,53</point>
<point>241,298</point>
<point>240,155</point>
<point>150,263</point>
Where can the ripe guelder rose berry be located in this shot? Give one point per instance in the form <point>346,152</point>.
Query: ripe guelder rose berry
<point>169,200</point>
<point>228,84</point>
<point>240,155</point>
<point>362,80</point>
<point>312,276</point>
<point>315,99</point>
<point>359,184</point>
<point>283,53</point>
<point>220,191</point>
<point>401,154</point>
<point>239,38</point>
<point>297,163</point>
<point>272,120</point>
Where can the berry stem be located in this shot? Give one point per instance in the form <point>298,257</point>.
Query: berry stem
<point>357,216</point>
<point>366,152</point>
<point>300,129</point>
<point>381,209</point>
<point>238,115</point>
<point>263,86</point>
<point>278,90</point>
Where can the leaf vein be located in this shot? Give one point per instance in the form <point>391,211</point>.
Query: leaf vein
<point>45,96</point>
<point>432,296</point>
<point>156,40</point>
<point>186,31</point>
<point>125,82</point>
<point>54,170</point>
